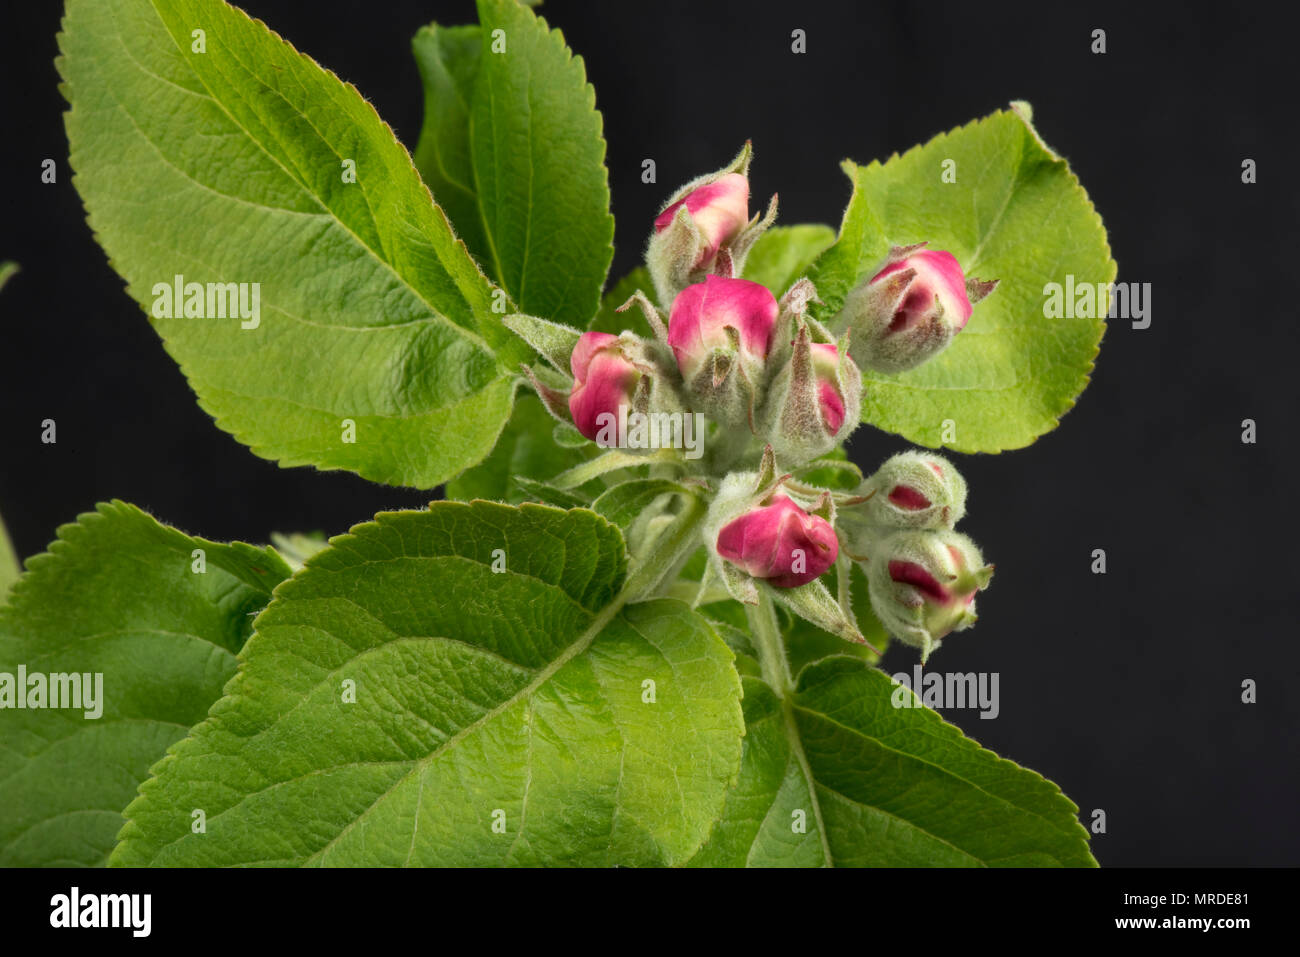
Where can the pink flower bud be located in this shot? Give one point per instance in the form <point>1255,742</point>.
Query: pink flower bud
<point>705,229</point>
<point>938,276</point>
<point>603,379</point>
<point>702,314</point>
<point>814,400</point>
<point>916,490</point>
<point>720,210</point>
<point>923,584</point>
<point>780,542</point>
<point>825,359</point>
<point>912,308</point>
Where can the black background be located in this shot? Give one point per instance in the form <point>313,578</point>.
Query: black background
<point>1124,688</point>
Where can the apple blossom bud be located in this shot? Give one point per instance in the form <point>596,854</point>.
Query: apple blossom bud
<point>814,401</point>
<point>780,543</point>
<point>923,585</point>
<point>830,394</point>
<point>603,379</point>
<point>911,309</point>
<point>720,332</point>
<point>915,490</point>
<point>719,210</point>
<point>705,229</point>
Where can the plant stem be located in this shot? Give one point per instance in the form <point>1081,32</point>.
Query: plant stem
<point>727,447</point>
<point>776,672</point>
<point>770,647</point>
<point>670,549</point>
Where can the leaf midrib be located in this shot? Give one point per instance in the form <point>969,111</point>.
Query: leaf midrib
<point>801,758</point>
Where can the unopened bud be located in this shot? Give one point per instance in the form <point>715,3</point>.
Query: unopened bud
<point>720,332</point>
<point>780,543</point>
<point>911,309</point>
<point>617,375</point>
<point>814,401</point>
<point>923,585</point>
<point>705,229</point>
<point>915,490</point>
<point>603,379</point>
<point>719,210</point>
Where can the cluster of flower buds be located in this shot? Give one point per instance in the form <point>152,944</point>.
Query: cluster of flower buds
<point>769,374</point>
<point>760,369</point>
<point>911,309</point>
<point>922,575</point>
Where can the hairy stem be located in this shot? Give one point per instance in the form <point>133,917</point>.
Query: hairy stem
<point>776,672</point>
<point>726,448</point>
<point>771,649</point>
<point>670,549</point>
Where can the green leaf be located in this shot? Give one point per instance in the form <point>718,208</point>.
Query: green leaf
<point>613,460</point>
<point>552,340</point>
<point>784,254</point>
<point>611,321</point>
<point>526,450</point>
<point>806,643</point>
<point>117,594</point>
<point>8,269</point>
<point>738,640</point>
<point>448,59</point>
<point>536,490</point>
<point>230,166</point>
<point>513,139</point>
<point>623,503</point>
<point>755,829</point>
<point>481,696</point>
<point>874,785</point>
<point>568,437</point>
<point>833,470</point>
<point>1016,213</point>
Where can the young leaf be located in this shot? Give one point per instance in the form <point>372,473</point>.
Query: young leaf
<point>784,254</point>
<point>840,776</point>
<point>457,686</point>
<point>448,60</point>
<point>207,147</point>
<point>627,500</point>
<point>512,137</point>
<point>296,547</point>
<point>535,490</point>
<point>120,596</point>
<point>833,470</point>
<point>1015,213</point>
